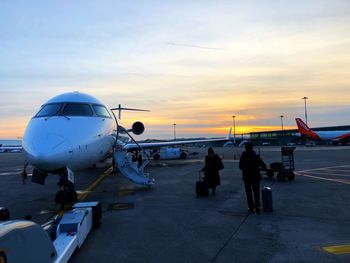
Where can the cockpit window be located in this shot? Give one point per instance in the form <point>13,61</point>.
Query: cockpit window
<point>49,110</point>
<point>101,111</point>
<point>77,109</point>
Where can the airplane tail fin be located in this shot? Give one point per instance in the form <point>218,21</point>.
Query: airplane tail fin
<point>229,136</point>
<point>305,130</point>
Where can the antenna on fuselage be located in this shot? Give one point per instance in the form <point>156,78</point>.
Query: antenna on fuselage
<point>120,109</point>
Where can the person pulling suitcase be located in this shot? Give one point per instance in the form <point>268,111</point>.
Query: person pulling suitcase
<point>250,163</point>
<point>212,165</point>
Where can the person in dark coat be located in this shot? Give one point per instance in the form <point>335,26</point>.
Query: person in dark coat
<point>251,164</point>
<point>213,164</point>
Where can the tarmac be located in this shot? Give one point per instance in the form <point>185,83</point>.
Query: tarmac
<point>168,223</point>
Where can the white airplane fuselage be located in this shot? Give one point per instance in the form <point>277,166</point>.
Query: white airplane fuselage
<point>62,140</point>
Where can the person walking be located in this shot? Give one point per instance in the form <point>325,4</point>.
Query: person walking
<point>250,163</point>
<point>213,164</point>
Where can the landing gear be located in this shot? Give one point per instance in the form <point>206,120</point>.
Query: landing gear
<point>24,174</point>
<point>67,194</point>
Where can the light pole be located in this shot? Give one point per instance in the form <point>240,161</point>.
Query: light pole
<point>174,131</point>
<point>234,129</point>
<point>281,122</point>
<point>305,98</point>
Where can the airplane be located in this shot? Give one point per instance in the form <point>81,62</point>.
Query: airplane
<point>342,137</point>
<point>74,131</point>
<point>10,149</point>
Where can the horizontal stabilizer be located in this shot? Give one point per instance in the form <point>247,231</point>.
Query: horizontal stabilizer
<point>120,109</point>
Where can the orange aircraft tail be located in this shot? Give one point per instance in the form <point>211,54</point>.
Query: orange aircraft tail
<point>305,130</point>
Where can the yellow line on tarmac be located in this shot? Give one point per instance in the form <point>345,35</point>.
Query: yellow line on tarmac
<point>338,250</point>
<point>99,179</point>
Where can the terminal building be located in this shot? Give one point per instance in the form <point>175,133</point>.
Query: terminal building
<point>283,137</point>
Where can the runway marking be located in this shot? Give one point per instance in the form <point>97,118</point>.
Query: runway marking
<point>322,178</point>
<point>125,192</point>
<point>339,170</point>
<point>325,172</point>
<point>338,250</point>
<point>9,173</point>
<point>325,168</point>
<point>121,206</point>
<point>322,173</point>
<point>99,179</point>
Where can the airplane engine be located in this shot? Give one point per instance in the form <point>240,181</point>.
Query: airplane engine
<point>138,128</point>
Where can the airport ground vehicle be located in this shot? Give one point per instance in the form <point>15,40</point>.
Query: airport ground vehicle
<point>310,144</point>
<point>284,169</point>
<point>25,241</point>
<point>169,153</point>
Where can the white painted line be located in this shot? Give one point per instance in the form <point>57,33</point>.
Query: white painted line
<point>325,179</point>
<point>324,168</point>
<point>324,173</point>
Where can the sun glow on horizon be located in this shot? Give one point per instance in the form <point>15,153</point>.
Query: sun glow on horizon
<point>195,66</point>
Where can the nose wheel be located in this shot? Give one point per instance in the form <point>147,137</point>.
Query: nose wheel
<point>67,193</point>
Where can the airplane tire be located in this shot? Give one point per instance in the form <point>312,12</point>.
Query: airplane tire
<point>290,176</point>
<point>281,176</point>
<point>183,155</point>
<point>67,195</point>
<point>156,156</point>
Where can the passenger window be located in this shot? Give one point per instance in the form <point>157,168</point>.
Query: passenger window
<point>101,111</point>
<point>77,109</point>
<point>49,110</point>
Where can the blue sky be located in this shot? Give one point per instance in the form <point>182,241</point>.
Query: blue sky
<point>193,63</point>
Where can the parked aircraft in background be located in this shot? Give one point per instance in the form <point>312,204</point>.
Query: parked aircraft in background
<point>10,149</point>
<point>73,131</point>
<point>342,137</point>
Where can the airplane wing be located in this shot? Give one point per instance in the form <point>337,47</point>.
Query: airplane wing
<point>145,145</point>
<point>343,137</point>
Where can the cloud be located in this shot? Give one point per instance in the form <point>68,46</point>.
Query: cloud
<point>191,63</point>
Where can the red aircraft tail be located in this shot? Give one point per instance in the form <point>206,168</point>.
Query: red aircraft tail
<point>305,130</point>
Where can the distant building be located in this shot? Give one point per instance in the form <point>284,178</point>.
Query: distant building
<point>282,137</point>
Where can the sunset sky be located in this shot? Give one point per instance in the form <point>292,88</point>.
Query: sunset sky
<point>193,63</point>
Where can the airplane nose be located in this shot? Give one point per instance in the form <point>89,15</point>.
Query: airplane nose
<point>50,152</point>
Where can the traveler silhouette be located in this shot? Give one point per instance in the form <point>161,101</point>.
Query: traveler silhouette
<point>213,164</point>
<point>251,164</point>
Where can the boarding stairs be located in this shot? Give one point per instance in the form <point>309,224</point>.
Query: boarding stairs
<point>130,169</point>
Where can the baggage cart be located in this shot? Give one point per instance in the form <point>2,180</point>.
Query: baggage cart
<point>284,169</point>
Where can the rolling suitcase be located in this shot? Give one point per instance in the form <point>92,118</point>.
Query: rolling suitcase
<point>267,199</point>
<point>201,187</point>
